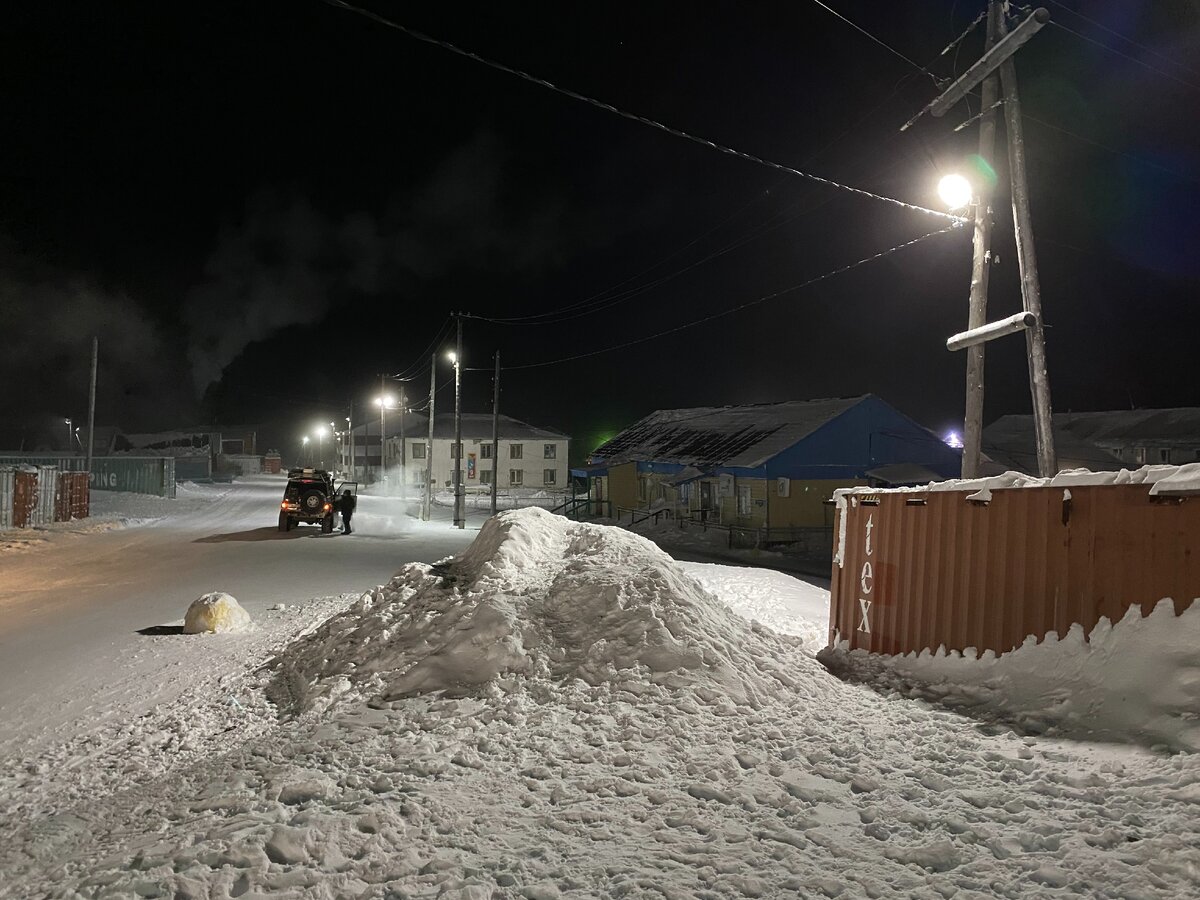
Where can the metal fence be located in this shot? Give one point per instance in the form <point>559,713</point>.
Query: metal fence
<point>134,474</point>
<point>7,486</point>
<point>919,571</point>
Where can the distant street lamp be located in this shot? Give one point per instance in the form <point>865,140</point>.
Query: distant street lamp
<point>305,450</point>
<point>69,434</point>
<point>320,431</point>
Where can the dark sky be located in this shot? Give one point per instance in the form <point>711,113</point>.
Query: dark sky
<point>261,206</point>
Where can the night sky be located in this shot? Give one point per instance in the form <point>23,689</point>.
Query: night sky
<point>259,207</point>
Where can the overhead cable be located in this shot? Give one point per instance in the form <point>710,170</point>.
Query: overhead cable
<point>415,368</point>
<point>731,310</point>
<point>634,117</point>
<point>1122,37</point>
<point>881,42</point>
<point>1133,59</point>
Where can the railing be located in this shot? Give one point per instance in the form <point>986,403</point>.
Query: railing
<point>652,515</point>
<point>584,507</point>
<point>815,542</point>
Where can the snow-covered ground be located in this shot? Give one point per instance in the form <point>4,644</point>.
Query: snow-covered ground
<point>563,710</point>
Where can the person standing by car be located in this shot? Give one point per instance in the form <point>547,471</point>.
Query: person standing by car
<point>347,503</point>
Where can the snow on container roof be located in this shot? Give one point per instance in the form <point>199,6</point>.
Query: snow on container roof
<point>733,436</point>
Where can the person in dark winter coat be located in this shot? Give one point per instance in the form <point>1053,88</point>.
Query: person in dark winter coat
<point>347,503</point>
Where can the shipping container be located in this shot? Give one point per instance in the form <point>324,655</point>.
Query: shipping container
<point>6,497</point>
<point>24,496</point>
<point>272,463</point>
<point>47,490</point>
<point>193,468</point>
<point>136,474</point>
<point>72,500</point>
<point>250,465</point>
<point>915,571</point>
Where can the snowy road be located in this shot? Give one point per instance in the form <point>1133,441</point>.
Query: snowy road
<point>71,609</point>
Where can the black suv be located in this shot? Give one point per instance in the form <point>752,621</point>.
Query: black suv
<point>308,497</point>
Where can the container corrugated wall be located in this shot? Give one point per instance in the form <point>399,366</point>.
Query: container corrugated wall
<point>47,491</point>
<point>24,497</point>
<point>72,500</point>
<point>921,571</point>
<point>137,474</point>
<point>6,497</point>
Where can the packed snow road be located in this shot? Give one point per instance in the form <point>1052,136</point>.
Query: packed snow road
<point>73,608</point>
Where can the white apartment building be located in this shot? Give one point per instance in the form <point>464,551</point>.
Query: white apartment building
<point>530,457</point>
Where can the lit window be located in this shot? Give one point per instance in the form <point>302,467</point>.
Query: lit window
<point>550,451</point>
<point>1139,455</point>
<point>743,500</point>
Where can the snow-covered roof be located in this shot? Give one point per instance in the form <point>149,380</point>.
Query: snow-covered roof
<point>479,426</point>
<point>1009,441</point>
<point>733,436</point>
<point>1118,427</point>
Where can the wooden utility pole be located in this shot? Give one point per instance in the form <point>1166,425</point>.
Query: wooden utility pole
<point>92,403</point>
<point>382,427</point>
<point>981,261</point>
<point>1031,292</point>
<point>428,507</point>
<point>350,428</point>
<point>403,449</point>
<point>496,433</point>
<point>460,520</point>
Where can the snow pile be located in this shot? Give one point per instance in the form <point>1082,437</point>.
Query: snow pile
<point>1137,680</point>
<point>216,613</point>
<point>541,596</point>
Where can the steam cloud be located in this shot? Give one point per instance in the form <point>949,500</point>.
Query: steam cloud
<point>289,264</point>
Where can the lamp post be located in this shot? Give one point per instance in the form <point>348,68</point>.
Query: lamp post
<point>304,451</point>
<point>459,517</point>
<point>320,431</point>
<point>384,402</point>
<point>350,448</point>
<point>70,445</point>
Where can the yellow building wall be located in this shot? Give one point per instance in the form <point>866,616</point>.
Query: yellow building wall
<point>805,504</point>
<point>622,486</point>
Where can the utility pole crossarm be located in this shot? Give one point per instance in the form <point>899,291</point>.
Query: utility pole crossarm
<point>987,64</point>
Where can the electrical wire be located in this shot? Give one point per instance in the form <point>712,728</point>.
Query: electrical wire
<point>1133,59</point>
<point>1122,37</point>
<point>635,117</point>
<point>880,42</point>
<point>1137,159</point>
<point>413,370</point>
<point>731,310</point>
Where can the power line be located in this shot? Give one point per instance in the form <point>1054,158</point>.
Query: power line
<point>1133,59</point>
<point>733,309</point>
<point>634,117</point>
<point>411,372</point>
<point>880,42</point>
<point>1122,37</point>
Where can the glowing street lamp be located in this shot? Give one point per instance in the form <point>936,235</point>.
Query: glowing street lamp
<point>304,446</point>
<point>955,191</point>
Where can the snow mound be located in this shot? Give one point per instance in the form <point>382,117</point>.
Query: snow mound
<point>538,595</point>
<point>1137,680</point>
<point>216,613</point>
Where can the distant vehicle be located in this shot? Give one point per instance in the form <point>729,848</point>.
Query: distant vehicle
<point>309,497</point>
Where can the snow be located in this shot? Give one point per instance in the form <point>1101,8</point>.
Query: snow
<point>562,710</point>
<point>216,613</point>
<point>1137,680</point>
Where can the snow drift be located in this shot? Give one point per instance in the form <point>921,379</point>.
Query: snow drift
<point>1136,680</point>
<point>541,596</point>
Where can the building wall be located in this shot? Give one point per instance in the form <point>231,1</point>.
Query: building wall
<point>532,464</point>
<point>623,485</point>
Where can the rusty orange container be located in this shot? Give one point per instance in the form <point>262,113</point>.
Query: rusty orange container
<point>923,570</point>
<point>25,497</point>
<point>71,499</point>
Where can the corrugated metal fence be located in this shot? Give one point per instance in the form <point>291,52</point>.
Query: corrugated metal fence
<point>7,487</point>
<point>136,474</point>
<point>926,570</point>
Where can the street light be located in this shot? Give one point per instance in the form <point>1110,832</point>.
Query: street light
<point>320,432</point>
<point>955,191</point>
<point>304,445</point>
<point>384,402</point>
<point>69,434</point>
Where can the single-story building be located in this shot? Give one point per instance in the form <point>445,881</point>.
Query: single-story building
<point>1100,441</point>
<point>764,466</point>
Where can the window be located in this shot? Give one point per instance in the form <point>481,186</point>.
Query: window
<point>550,451</point>
<point>516,476</point>
<point>642,479</point>
<point>743,499</point>
<point>418,451</point>
<point>485,476</point>
<point>485,451</point>
<point>516,451</point>
<point>1139,455</point>
<point>455,450</point>
<point>1164,455</point>
<point>548,476</point>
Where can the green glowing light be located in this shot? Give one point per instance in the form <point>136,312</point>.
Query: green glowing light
<point>983,168</point>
